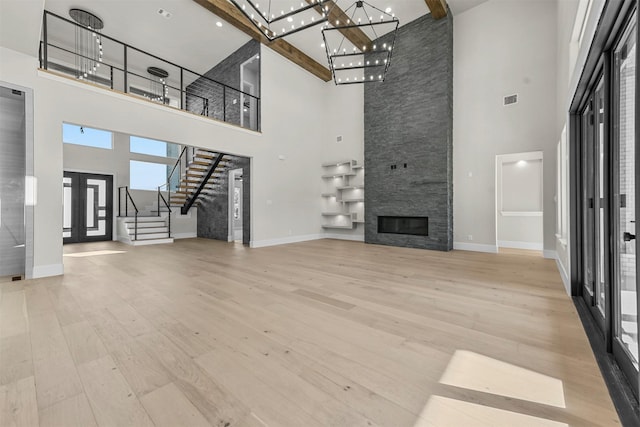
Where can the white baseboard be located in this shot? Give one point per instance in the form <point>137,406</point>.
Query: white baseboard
<point>351,237</point>
<point>564,276</point>
<point>284,240</point>
<point>520,245</point>
<point>190,235</point>
<point>475,247</point>
<point>47,270</point>
<point>549,254</point>
<point>229,238</point>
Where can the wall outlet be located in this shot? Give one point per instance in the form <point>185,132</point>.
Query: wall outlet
<point>470,237</point>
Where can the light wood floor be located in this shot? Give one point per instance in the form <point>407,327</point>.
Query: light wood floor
<point>323,333</point>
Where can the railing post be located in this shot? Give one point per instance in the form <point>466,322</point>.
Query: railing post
<point>111,76</point>
<point>126,72</point>
<point>158,201</point>
<point>45,52</point>
<point>182,92</point>
<point>119,201</point>
<point>126,202</point>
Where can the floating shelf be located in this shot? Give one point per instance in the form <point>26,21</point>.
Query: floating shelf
<point>338,163</point>
<point>343,227</point>
<point>340,198</point>
<point>338,175</point>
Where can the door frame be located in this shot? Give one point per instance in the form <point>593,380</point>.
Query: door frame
<point>110,207</point>
<point>231,185</point>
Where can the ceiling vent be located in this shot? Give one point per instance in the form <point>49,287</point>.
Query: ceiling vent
<point>511,99</point>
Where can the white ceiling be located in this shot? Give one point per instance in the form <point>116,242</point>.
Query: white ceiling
<point>191,38</point>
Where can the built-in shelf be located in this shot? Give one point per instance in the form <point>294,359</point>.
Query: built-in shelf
<point>352,187</point>
<point>337,164</point>
<point>336,214</point>
<point>338,175</point>
<point>344,194</point>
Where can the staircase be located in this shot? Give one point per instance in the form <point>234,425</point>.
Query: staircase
<point>151,230</point>
<point>199,169</point>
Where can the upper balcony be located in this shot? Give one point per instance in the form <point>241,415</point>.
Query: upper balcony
<point>79,50</point>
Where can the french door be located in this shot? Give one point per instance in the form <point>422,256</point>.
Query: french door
<point>88,207</point>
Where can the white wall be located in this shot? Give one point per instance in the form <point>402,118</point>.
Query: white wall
<point>501,47</point>
<point>576,24</point>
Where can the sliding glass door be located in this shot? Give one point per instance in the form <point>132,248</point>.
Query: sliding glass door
<point>607,176</point>
<point>625,343</point>
<point>594,202</point>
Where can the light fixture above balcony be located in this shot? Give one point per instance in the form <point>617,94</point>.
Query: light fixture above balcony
<point>280,18</point>
<point>350,63</point>
<point>88,40</point>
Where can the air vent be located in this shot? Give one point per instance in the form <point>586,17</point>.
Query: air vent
<point>511,99</point>
<point>16,92</point>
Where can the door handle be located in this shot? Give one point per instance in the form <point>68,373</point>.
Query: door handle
<point>628,236</point>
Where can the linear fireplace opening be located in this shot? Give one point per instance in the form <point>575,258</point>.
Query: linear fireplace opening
<point>414,225</point>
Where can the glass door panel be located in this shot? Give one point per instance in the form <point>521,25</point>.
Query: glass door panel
<point>588,187</point>
<point>600,201</point>
<point>626,320</point>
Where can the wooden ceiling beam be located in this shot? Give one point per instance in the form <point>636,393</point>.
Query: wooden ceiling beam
<point>438,8</point>
<point>229,13</point>
<point>354,35</point>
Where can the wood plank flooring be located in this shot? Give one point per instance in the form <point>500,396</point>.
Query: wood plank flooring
<point>321,333</point>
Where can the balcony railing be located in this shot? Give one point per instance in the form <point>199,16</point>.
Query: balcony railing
<point>67,48</point>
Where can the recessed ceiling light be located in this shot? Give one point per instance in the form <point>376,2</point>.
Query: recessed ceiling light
<point>322,45</point>
<point>219,24</point>
<point>388,10</point>
<point>165,13</point>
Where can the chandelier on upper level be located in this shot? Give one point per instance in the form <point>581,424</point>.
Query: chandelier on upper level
<point>280,18</point>
<point>88,53</point>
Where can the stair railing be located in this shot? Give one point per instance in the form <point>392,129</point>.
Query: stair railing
<point>166,204</point>
<point>126,207</point>
<point>179,168</point>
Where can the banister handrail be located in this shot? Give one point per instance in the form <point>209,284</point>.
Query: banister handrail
<point>126,207</point>
<point>167,205</point>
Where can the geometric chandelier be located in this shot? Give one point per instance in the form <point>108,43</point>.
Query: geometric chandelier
<point>280,18</point>
<point>354,64</point>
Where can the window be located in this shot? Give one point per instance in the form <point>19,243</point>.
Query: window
<point>146,175</point>
<point>152,147</point>
<point>82,135</point>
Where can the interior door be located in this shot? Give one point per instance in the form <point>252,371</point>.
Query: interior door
<point>625,343</point>
<point>88,207</point>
